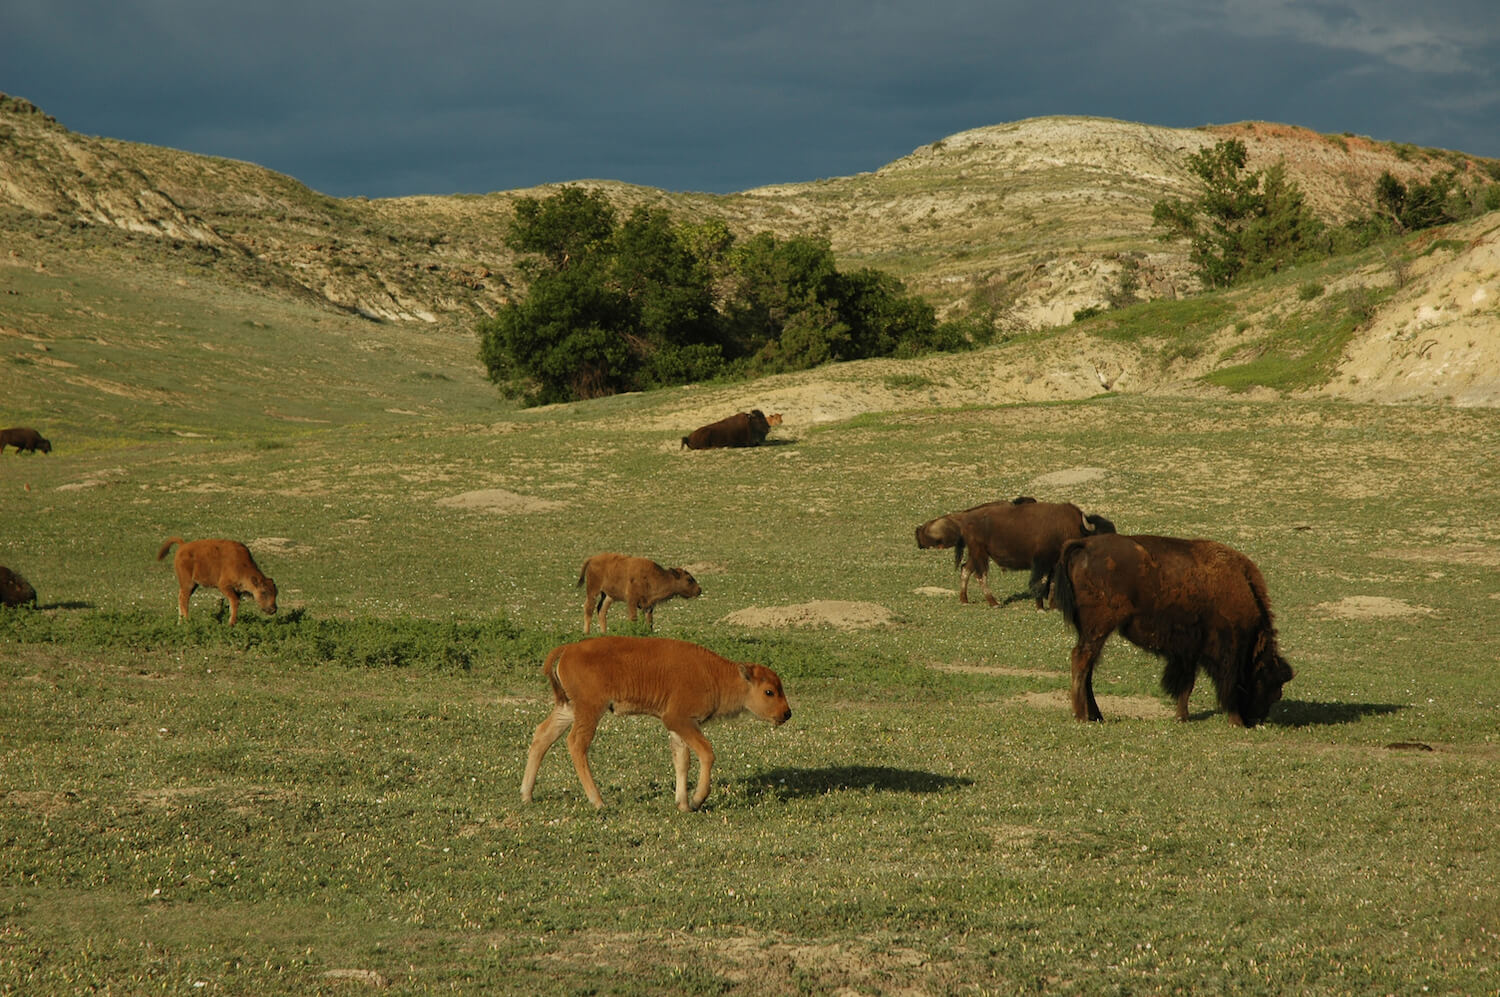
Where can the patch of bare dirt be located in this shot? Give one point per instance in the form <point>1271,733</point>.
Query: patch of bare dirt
<point>819,613</point>
<point>501,501</point>
<point>967,669</point>
<point>1372,607</point>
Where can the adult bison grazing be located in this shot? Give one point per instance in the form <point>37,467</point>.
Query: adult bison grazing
<point>743,429</point>
<point>1197,603</point>
<point>683,684</point>
<point>223,564</point>
<point>1021,533</point>
<point>15,590</point>
<point>639,582</point>
<point>24,439</point>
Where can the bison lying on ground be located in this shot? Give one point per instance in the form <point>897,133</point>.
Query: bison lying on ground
<point>24,438</point>
<point>743,429</point>
<point>1197,603</point>
<point>683,684</point>
<point>223,564</point>
<point>15,590</point>
<point>1021,533</point>
<point>639,582</point>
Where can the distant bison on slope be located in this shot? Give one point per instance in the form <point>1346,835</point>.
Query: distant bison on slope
<point>743,429</point>
<point>223,564</point>
<point>1197,603</point>
<point>1021,533</point>
<point>24,439</point>
<point>15,590</point>
<point>639,582</point>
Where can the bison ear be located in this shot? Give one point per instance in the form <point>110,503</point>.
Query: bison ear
<point>747,671</point>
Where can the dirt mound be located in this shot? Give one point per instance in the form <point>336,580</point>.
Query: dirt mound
<point>819,613</point>
<point>1371,607</point>
<point>498,500</point>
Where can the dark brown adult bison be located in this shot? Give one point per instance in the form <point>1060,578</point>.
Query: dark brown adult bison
<point>24,439</point>
<point>639,582</point>
<point>1021,533</point>
<point>743,429</point>
<point>223,564</point>
<point>1197,603</point>
<point>15,590</point>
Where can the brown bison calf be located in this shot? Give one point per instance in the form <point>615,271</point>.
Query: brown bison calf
<point>639,582</point>
<point>683,684</point>
<point>223,564</point>
<point>15,590</point>
<point>1197,603</point>
<point>743,429</point>
<point>24,439</point>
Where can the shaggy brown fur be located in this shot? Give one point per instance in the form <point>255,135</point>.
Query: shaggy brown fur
<point>743,429</point>
<point>1197,603</point>
<point>222,564</point>
<point>639,582</point>
<point>15,590</point>
<point>683,684</point>
<point>24,439</point>
<point>1021,533</point>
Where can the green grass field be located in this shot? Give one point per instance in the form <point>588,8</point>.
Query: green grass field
<point>327,801</point>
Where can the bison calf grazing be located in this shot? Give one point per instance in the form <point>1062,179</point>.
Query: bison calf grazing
<point>223,564</point>
<point>743,429</point>
<point>15,590</point>
<point>683,684</point>
<point>1021,533</point>
<point>639,582</point>
<point>1197,603</point>
<point>24,439</point>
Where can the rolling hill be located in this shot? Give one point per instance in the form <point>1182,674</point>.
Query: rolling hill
<point>1035,219</point>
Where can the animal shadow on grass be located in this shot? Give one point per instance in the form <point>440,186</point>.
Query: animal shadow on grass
<point>68,604</point>
<point>799,783</point>
<point>1300,713</point>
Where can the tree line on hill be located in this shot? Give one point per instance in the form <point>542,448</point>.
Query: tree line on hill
<point>646,302</point>
<point>625,305</point>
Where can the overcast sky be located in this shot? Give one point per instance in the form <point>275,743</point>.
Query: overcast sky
<point>381,98</point>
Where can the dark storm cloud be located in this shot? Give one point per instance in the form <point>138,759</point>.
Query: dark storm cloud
<point>384,98</point>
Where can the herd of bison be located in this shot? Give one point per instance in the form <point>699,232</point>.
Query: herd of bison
<point>1198,604</point>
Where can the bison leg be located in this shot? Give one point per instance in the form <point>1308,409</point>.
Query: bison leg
<point>605,601</point>
<point>585,723</point>
<point>686,730</point>
<point>963,585</point>
<point>650,617</point>
<point>547,733</point>
<point>1085,655</point>
<point>680,767</point>
<point>1041,581</point>
<point>984,583</point>
<point>185,589</point>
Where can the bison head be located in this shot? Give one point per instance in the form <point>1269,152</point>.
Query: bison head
<point>766,698</point>
<point>265,595</point>
<point>1261,687</point>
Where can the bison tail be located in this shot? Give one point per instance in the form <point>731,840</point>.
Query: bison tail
<point>1063,596</point>
<point>684,444</point>
<point>549,669</point>
<point>582,572</point>
<point>1098,524</point>
<point>168,546</point>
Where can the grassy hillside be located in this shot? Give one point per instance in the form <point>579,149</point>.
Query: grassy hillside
<point>326,800</point>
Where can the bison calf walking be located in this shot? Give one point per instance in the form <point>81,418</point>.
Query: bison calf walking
<point>683,684</point>
<point>639,582</point>
<point>1197,603</point>
<point>223,564</point>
